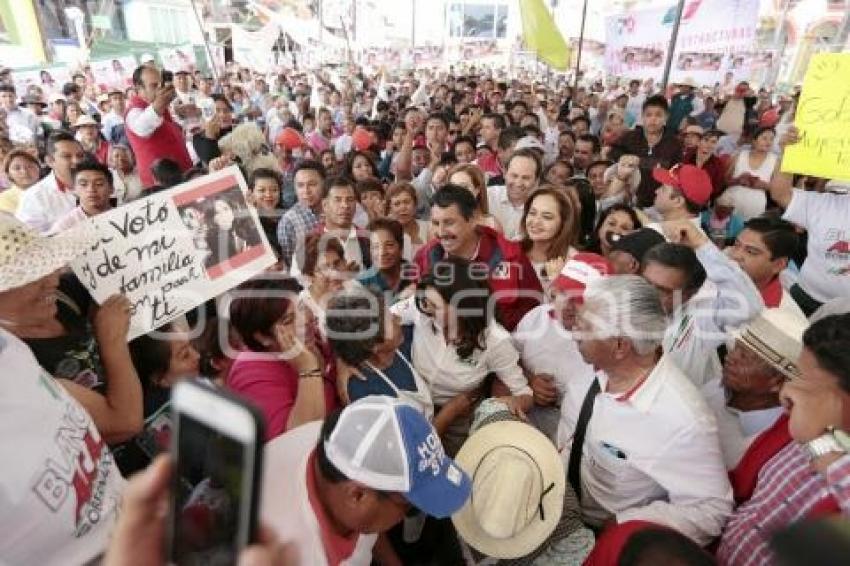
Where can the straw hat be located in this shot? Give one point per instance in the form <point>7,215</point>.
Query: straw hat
<point>26,256</point>
<point>518,486</point>
<point>776,336</point>
<point>85,120</point>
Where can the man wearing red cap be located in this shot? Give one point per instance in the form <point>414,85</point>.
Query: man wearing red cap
<point>549,354</point>
<point>288,147</point>
<point>684,192</point>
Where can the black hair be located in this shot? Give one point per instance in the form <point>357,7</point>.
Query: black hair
<point>338,181</point>
<point>508,137</point>
<point>258,305</point>
<point>760,130</point>
<point>829,340</point>
<point>369,186</point>
<point>463,139</point>
<point>779,236</point>
<point>662,546</point>
<point>93,165</point>
<point>70,88</point>
<point>587,202</point>
<point>600,162</point>
<point>265,173</point>
<point>151,357</point>
<point>590,138</point>
<point>392,226</point>
<point>8,88</point>
<point>349,163</point>
<point>656,100</point>
<point>137,73</point>
<point>56,137</point>
<point>166,172</point>
<point>520,103</point>
<point>581,118</point>
<point>221,98</point>
<point>310,165</point>
<point>594,245</point>
<point>531,129</point>
<point>453,279</point>
<point>456,195</point>
<point>327,470</point>
<point>681,257</point>
<point>438,116</point>
<point>498,120</point>
<point>356,323</point>
<point>569,134</point>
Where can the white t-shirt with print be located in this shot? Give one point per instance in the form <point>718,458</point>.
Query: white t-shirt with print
<point>59,485</point>
<point>825,274</point>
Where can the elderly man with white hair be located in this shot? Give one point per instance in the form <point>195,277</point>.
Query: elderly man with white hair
<point>644,444</point>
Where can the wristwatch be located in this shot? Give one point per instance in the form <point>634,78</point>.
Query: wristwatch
<point>833,440</point>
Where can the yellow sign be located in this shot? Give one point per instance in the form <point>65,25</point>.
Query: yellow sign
<point>823,118</point>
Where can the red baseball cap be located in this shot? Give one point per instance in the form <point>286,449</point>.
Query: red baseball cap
<point>692,181</point>
<point>290,139</point>
<point>361,139</point>
<point>579,271</point>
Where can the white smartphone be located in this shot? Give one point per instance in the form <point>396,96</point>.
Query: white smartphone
<point>217,443</point>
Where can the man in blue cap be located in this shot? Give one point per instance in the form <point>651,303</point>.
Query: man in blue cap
<point>331,488</point>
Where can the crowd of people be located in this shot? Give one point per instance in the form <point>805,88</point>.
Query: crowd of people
<point>511,321</point>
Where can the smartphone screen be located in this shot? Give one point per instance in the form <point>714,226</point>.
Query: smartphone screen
<point>213,495</point>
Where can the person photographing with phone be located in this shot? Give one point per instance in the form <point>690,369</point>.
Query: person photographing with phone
<point>152,131</point>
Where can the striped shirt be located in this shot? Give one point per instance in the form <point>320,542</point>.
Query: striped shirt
<point>788,490</point>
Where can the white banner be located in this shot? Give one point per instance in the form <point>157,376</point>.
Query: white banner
<point>175,249</point>
<point>254,49</point>
<point>711,36</point>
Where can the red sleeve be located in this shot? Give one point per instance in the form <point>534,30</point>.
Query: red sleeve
<point>610,543</point>
<point>528,296</point>
<point>420,260</point>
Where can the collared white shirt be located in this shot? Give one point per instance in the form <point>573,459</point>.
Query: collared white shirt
<point>653,455</point>
<point>508,215</point>
<point>446,374</point>
<point>285,505</point>
<point>43,204</point>
<point>737,429</point>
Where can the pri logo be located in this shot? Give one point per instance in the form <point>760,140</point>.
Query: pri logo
<point>431,454</point>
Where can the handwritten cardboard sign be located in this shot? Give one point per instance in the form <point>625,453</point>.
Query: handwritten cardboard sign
<point>175,249</point>
<point>823,118</point>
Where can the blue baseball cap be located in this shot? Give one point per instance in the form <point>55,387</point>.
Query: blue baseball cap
<point>390,446</point>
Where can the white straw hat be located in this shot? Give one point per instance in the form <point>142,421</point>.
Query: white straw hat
<point>518,484</point>
<point>26,256</point>
<point>776,336</point>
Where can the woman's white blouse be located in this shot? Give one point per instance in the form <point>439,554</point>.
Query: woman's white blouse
<point>446,374</point>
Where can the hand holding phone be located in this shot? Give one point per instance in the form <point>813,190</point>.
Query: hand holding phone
<point>217,446</point>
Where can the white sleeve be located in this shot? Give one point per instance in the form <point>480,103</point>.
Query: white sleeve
<point>406,310</point>
<point>503,360</point>
<point>736,300</point>
<point>143,123</point>
<point>798,211</point>
<point>31,212</point>
<point>699,498</point>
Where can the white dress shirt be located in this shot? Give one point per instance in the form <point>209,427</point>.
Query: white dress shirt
<point>737,429</point>
<point>445,372</point>
<point>653,455</point>
<point>23,125</point>
<point>508,215</point>
<point>43,204</point>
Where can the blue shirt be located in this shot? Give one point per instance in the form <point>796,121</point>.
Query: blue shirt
<point>399,373</point>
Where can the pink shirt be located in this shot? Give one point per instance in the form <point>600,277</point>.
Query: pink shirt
<point>271,385</point>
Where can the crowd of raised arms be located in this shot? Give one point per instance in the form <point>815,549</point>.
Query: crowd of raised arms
<point>624,330</point>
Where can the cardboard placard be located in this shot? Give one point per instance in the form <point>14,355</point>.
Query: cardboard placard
<point>175,249</point>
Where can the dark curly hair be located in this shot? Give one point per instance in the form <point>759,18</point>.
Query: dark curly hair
<point>356,323</point>
<point>829,340</point>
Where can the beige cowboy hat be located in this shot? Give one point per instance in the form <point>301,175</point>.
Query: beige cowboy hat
<point>776,336</point>
<point>85,120</point>
<point>688,81</point>
<point>27,256</point>
<point>518,485</point>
